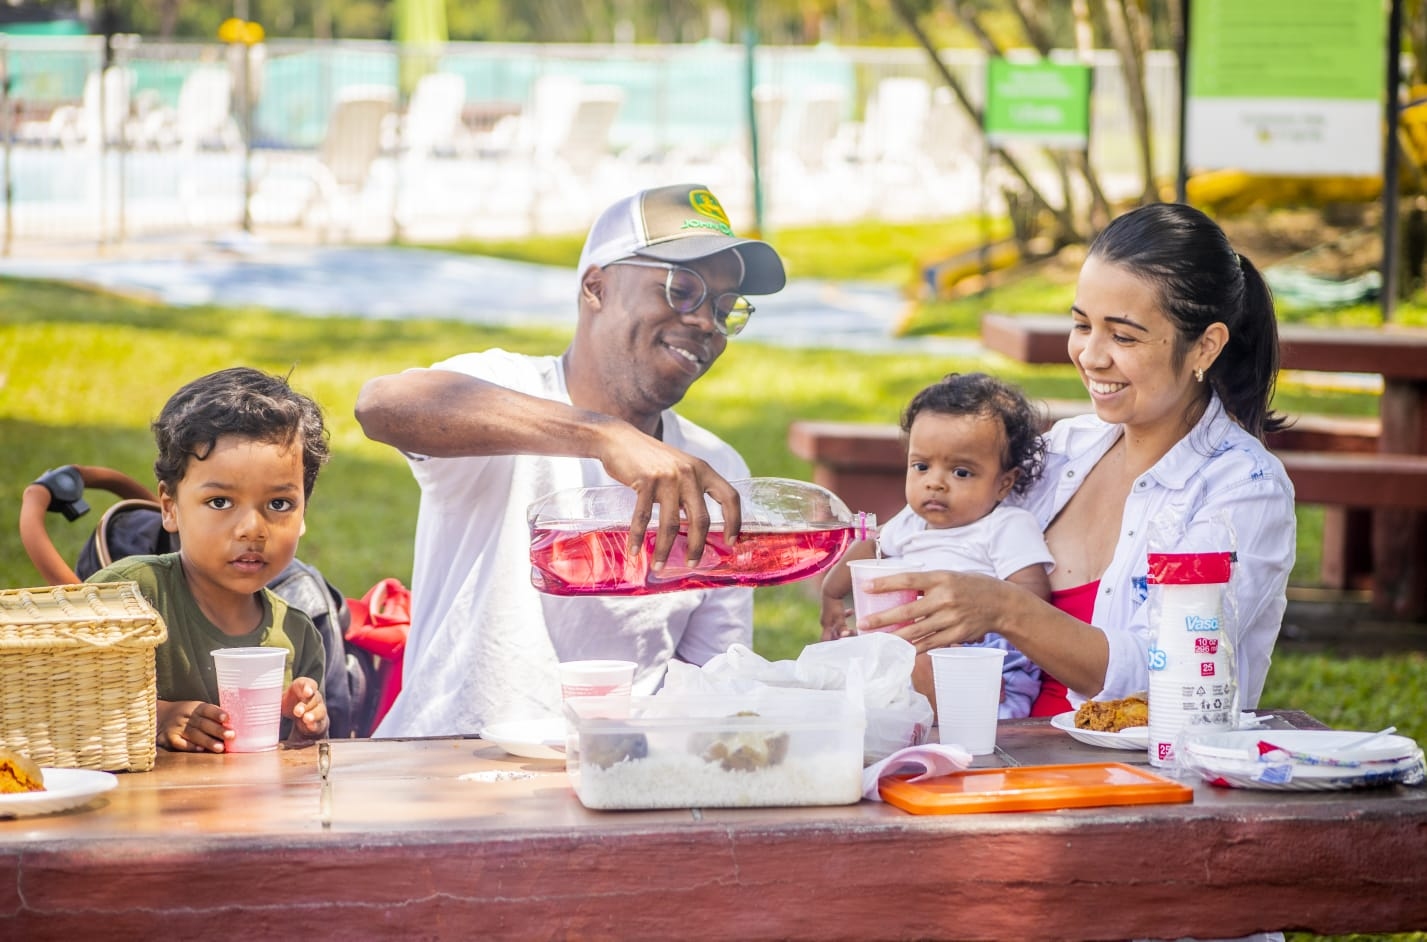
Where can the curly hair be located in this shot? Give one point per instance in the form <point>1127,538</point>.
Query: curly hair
<point>982,395</point>
<point>243,402</point>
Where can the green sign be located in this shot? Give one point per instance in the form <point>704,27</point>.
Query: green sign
<point>1291,87</point>
<point>1037,102</point>
<point>1318,49</point>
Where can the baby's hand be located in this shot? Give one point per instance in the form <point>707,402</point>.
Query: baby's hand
<point>834,619</point>
<point>192,726</point>
<point>303,702</point>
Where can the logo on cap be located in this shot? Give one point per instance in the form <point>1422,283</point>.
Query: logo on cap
<point>706,204</point>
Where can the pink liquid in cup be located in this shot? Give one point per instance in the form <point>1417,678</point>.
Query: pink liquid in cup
<point>254,715</point>
<point>610,678</point>
<point>866,602</point>
<point>250,685</point>
<point>594,690</point>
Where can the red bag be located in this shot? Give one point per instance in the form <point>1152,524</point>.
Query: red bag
<point>380,622</point>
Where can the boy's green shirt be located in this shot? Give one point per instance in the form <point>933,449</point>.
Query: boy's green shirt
<point>184,663</point>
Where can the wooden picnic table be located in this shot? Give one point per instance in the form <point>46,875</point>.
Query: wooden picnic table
<point>439,838</point>
<point>1389,490</point>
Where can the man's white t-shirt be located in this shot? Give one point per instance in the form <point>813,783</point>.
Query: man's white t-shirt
<point>484,644</point>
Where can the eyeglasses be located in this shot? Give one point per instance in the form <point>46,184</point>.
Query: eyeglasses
<point>686,291</point>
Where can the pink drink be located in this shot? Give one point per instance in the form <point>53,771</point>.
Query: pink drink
<point>254,715</point>
<point>866,602</point>
<point>567,559</point>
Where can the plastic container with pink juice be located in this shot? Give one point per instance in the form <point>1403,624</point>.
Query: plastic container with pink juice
<point>250,685</point>
<point>791,530</point>
<point>866,602</point>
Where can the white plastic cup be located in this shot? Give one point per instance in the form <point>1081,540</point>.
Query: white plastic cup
<point>250,682</point>
<point>968,696</point>
<point>866,602</point>
<point>596,678</point>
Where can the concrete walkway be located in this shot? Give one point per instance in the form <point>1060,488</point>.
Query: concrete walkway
<point>388,282</point>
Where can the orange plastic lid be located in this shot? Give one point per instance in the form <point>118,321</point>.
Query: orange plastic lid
<point>1034,788</point>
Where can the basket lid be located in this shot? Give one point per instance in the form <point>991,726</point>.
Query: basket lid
<point>102,614</point>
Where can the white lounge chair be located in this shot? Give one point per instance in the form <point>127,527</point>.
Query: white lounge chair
<point>102,116</point>
<point>203,118</point>
<point>431,126</point>
<point>330,182</point>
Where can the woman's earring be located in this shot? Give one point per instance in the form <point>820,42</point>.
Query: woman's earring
<point>1199,375</point>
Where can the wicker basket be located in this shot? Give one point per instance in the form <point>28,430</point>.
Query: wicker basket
<point>77,675</point>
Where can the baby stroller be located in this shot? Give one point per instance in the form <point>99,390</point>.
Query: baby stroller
<point>133,526</point>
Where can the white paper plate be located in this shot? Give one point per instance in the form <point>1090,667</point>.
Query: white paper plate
<point>1302,778</point>
<point>1232,758</point>
<point>530,739</point>
<point>1244,744</point>
<point>1136,737</point>
<point>1245,778</point>
<point>64,789</point>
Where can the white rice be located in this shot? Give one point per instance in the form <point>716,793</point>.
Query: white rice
<point>684,780</point>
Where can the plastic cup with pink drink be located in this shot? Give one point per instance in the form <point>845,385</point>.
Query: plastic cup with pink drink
<point>866,602</point>
<point>250,687</point>
<point>606,678</point>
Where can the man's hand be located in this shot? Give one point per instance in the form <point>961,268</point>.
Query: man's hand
<point>676,483</point>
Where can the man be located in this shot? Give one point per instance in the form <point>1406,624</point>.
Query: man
<point>662,279</point>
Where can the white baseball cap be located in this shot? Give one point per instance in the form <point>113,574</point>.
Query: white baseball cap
<point>680,223</point>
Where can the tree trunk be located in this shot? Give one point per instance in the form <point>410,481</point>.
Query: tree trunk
<point>1069,232</point>
<point>1126,35</point>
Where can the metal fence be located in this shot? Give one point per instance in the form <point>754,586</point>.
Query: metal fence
<point>370,140</point>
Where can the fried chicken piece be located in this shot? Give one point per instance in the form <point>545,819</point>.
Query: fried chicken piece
<point>19,774</point>
<point>1111,716</point>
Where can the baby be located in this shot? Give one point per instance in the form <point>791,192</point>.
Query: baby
<point>239,452</point>
<point>971,440</point>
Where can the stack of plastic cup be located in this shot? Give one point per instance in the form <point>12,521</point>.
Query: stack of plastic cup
<point>968,696</point>
<point>866,602</point>
<point>1192,686</point>
<point>250,685</point>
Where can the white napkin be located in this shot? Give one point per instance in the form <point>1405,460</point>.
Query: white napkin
<point>928,760</point>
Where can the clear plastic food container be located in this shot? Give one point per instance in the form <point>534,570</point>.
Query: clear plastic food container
<point>769,748</point>
<point>791,530</point>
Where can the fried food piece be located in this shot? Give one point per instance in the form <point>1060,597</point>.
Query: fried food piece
<point>740,751</point>
<point>607,749</point>
<point>19,774</point>
<point>1112,716</point>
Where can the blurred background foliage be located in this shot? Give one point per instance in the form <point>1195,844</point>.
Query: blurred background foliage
<point>848,22</point>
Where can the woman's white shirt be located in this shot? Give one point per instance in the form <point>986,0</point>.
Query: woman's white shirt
<point>1217,484</point>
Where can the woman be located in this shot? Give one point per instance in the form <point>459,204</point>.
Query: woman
<point>1174,336</point>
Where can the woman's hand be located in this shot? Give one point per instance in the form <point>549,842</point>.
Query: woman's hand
<point>954,607</point>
